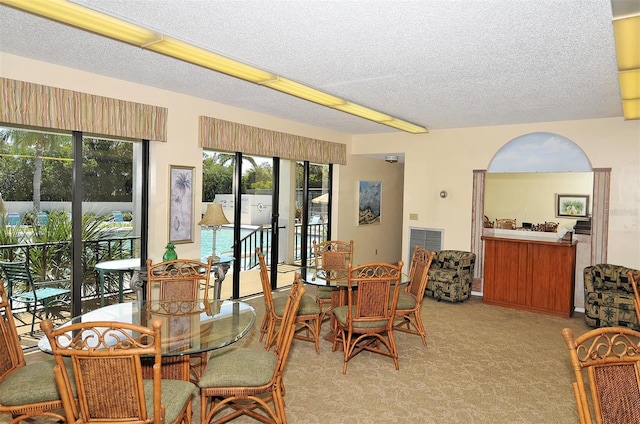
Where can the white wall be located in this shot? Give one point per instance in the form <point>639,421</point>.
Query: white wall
<point>445,159</point>
<point>531,197</point>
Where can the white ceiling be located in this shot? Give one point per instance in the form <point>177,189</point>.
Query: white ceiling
<point>438,63</point>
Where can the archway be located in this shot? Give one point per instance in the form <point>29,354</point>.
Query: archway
<point>542,152</point>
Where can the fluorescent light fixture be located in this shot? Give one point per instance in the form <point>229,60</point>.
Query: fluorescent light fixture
<point>90,20</point>
<point>302,91</point>
<point>627,37</point>
<point>80,17</point>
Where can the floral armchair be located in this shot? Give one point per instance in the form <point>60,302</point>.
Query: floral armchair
<point>451,275</point>
<point>608,297</point>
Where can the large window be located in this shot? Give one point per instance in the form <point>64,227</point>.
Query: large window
<point>36,207</point>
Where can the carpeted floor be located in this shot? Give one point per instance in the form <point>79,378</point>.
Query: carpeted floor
<point>483,364</point>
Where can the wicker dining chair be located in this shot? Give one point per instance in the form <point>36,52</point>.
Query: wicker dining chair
<point>410,298</point>
<point>610,358</point>
<point>26,390</point>
<point>366,322</point>
<point>307,319</point>
<point>178,287</point>
<point>331,255</point>
<point>634,279</point>
<point>246,380</point>
<point>107,373</point>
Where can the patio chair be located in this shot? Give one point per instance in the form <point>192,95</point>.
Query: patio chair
<point>42,219</point>
<point>609,358</point>
<point>106,359</point>
<point>246,380</point>
<point>23,288</point>
<point>117,216</point>
<point>13,219</point>
<point>26,390</point>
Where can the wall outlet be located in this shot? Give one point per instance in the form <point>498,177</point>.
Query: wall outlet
<point>413,216</point>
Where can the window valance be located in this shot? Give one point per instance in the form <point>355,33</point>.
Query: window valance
<point>229,136</point>
<point>40,106</point>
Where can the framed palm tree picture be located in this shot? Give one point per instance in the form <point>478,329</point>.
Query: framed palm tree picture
<point>181,184</point>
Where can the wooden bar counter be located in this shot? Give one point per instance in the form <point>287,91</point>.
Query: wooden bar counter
<point>531,274</point>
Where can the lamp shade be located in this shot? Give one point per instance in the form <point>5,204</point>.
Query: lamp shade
<point>214,216</point>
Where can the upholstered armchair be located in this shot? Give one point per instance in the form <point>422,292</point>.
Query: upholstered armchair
<point>451,275</point>
<point>608,297</point>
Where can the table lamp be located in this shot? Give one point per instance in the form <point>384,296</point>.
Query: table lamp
<point>214,218</point>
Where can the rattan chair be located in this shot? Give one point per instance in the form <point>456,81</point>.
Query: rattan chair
<point>307,319</point>
<point>634,279</point>
<point>610,358</point>
<point>26,390</point>
<point>366,322</point>
<point>247,380</point>
<point>506,223</point>
<point>107,373</point>
<point>410,298</point>
<point>178,287</point>
<point>331,255</point>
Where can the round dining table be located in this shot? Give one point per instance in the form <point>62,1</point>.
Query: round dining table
<point>187,329</point>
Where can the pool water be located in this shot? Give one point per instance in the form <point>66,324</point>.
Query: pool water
<point>224,240</point>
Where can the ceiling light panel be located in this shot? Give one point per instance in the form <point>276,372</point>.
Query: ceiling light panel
<point>99,23</point>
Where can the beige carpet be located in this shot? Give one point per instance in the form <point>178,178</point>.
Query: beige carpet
<point>483,364</point>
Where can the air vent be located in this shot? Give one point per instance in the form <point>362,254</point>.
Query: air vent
<point>428,238</point>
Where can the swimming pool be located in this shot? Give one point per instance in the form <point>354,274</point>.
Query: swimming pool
<point>224,240</point>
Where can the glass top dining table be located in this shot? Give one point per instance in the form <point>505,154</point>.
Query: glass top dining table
<point>187,329</point>
<point>332,278</point>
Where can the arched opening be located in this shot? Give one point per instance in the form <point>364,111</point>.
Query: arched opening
<point>536,168</point>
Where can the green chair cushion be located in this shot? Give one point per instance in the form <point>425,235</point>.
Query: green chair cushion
<point>405,301</point>
<point>33,383</point>
<point>238,368</point>
<point>341,315</point>
<point>323,292</point>
<point>308,305</point>
<point>175,394</point>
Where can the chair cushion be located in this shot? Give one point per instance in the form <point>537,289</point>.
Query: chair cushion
<point>323,292</point>
<point>175,394</point>
<point>308,305</point>
<point>443,275</point>
<point>405,301</point>
<point>32,384</point>
<point>239,367</point>
<point>341,315</point>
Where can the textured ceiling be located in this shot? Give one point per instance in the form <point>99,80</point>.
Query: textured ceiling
<point>439,63</point>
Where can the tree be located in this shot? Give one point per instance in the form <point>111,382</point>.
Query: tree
<point>37,141</point>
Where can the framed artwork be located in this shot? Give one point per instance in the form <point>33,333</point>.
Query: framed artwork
<point>572,205</point>
<point>369,202</point>
<point>181,206</point>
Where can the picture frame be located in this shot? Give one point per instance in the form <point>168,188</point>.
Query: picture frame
<point>572,205</point>
<point>369,202</point>
<point>181,204</point>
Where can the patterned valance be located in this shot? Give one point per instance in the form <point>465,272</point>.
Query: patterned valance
<point>227,136</point>
<point>40,106</point>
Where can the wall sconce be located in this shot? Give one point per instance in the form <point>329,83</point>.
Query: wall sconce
<point>444,194</point>
<point>391,158</point>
